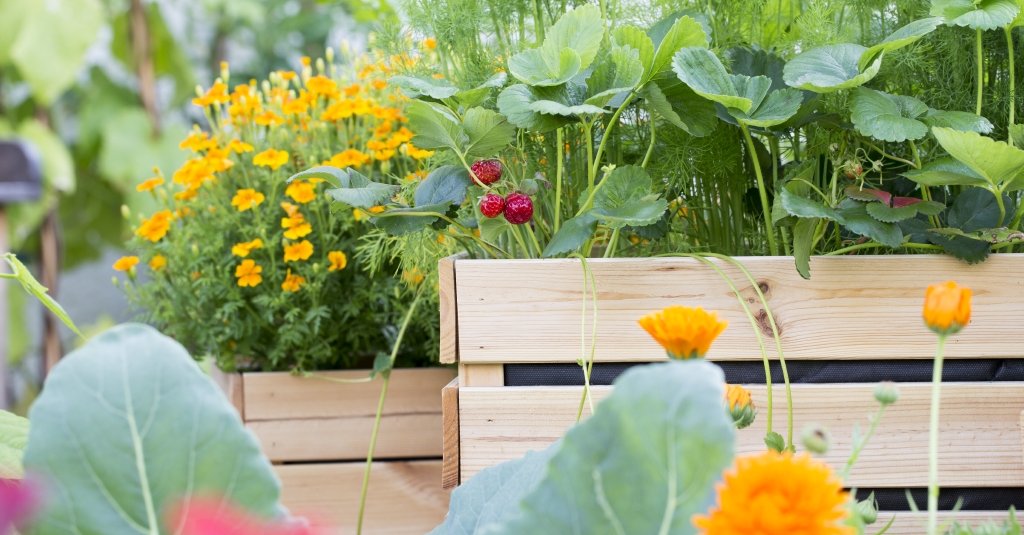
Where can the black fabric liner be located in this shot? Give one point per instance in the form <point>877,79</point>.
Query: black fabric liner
<point>821,372</point>
<point>800,371</point>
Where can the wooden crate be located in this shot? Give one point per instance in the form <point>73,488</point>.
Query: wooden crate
<point>316,432</point>
<point>509,312</point>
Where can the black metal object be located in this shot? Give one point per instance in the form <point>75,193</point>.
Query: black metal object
<point>950,498</point>
<point>20,172</point>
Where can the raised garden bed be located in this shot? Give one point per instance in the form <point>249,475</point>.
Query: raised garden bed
<point>316,432</point>
<point>514,327</point>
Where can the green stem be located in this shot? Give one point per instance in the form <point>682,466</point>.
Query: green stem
<point>538,21</point>
<point>610,249</point>
<point>606,135</point>
<point>1001,205</point>
<point>533,238</point>
<point>981,73</point>
<point>859,445</point>
<point>890,156</point>
<point>650,147</point>
<point>1013,91</point>
<point>876,245</point>
<point>519,239</point>
<point>590,198</point>
<point>762,191</point>
<point>560,161</point>
<point>587,364</point>
<point>380,410</point>
<point>588,132</point>
<point>933,440</point>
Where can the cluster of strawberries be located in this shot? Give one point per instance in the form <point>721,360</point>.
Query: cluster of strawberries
<point>516,207</point>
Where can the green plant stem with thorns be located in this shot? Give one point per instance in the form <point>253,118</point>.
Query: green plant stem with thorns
<point>380,407</point>
<point>933,439</point>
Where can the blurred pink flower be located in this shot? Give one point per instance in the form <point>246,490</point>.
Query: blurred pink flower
<point>20,499</point>
<point>212,516</point>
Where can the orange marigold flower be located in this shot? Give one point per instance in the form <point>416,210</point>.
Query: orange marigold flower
<point>246,199</point>
<point>289,208</point>
<point>778,494</point>
<point>292,282</point>
<point>684,332</point>
<point>248,274</point>
<point>268,118</point>
<point>150,184</point>
<point>947,307</point>
<point>338,260</point>
<point>271,158</point>
<point>740,406</point>
<point>156,227</point>
<point>295,107</point>
<point>430,43</point>
<point>352,90</point>
<point>186,195</point>
<point>301,191</point>
<point>193,173</point>
<point>244,248</point>
<point>158,262</point>
<point>287,75</point>
<point>321,85</point>
<point>412,276</point>
<point>197,141</point>
<point>298,251</point>
<point>295,226</point>
<point>217,94</point>
<point>238,146</point>
<point>379,84</point>
<point>126,263</point>
<point>343,109</point>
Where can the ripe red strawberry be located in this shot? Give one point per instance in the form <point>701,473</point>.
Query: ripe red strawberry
<point>518,208</point>
<point>491,205</point>
<point>487,171</point>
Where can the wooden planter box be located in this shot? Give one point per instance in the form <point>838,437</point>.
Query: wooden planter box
<point>316,432</point>
<point>500,315</point>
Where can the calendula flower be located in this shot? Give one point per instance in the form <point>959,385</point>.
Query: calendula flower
<point>238,146</point>
<point>156,227</point>
<point>741,407</point>
<point>244,248</point>
<point>778,494</point>
<point>246,199</point>
<point>684,332</point>
<point>947,307</point>
<point>271,158</point>
<point>338,260</point>
<point>150,184</point>
<point>292,282</point>
<point>298,251</point>
<point>158,262</point>
<point>126,263</point>
<point>301,191</point>
<point>248,274</point>
<point>295,226</point>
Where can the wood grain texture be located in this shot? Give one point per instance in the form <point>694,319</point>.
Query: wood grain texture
<point>855,307</point>
<point>980,434</point>
<point>449,351</point>
<point>313,419</point>
<point>403,499</point>
<point>481,375</point>
<point>231,384</point>
<point>450,436</point>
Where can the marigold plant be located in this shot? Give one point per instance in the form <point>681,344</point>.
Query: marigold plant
<point>258,271</point>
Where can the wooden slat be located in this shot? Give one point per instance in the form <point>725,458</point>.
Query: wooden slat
<point>403,497</point>
<point>329,439</point>
<point>980,434</point>
<point>275,396</point>
<point>858,307</point>
<point>449,353</point>
<point>231,384</point>
<point>481,375</point>
<point>450,435</point>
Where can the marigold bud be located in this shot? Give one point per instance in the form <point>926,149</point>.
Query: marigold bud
<point>887,393</point>
<point>816,439</point>
<point>866,510</point>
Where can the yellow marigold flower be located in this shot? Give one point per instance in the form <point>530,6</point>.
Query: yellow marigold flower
<point>417,153</point>
<point>126,263</point>
<point>289,208</point>
<point>298,251</point>
<point>150,184</point>
<point>379,84</point>
<point>377,209</point>
<point>338,260</point>
<point>217,94</point>
<point>437,76</point>
<point>295,227</point>
<point>217,160</point>
<point>384,155</point>
<point>403,135</point>
<point>156,227</point>
<point>244,248</point>
<point>778,494</point>
<point>430,43</point>
<point>383,129</point>
<point>186,195</point>
<point>271,158</point>
<point>238,146</point>
<point>158,262</point>
<point>358,214</point>
<point>295,107</point>
<point>684,332</point>
<point>352,90</point>
<point>305,61</point>
<point>301,192</point>
<point>197,141</point>
<point>246,199</point>
<point>292,282</point>
<point>248,274</point>
<point>321,85</point>
<point>193,173</point>
<point>342,109</point>
<point>740,406</point>
<point>287,75</point>
<point>412,276</point>
<point>268,118</point>
<point>947,307</point>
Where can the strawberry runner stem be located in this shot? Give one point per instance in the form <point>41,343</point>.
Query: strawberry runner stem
<point>933,439</point>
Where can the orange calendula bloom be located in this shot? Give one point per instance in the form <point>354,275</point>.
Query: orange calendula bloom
<point>271,158</point>
<point>740,406</point>
<point>126,263</point>
<point>292,282</point>
<point>246,199</point>
<point>298,251</point>
<point>684,332</point>
<point>338,260</point>
<point>158,262</point>
<point>947,307</point>
<point>150,184</point>
<point>301,192</point>
<point>244,248</point>
<point>156,227</point>
<point>248,274</point>
<point>778,494</point>
<point>295,226</point>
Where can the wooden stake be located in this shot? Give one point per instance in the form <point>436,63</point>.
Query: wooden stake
<point>49,260</point>
<point>5,379</point>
